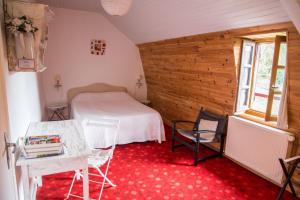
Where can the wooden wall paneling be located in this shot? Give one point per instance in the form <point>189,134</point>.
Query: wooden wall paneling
<point>186,73</point>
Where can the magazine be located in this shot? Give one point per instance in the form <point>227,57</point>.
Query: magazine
<point>42,146</point>
<point>43,139</point>
<point>43,154</point>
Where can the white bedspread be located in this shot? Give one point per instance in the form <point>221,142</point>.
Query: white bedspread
<point>138,123</point>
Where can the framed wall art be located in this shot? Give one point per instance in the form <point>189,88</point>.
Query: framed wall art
<point>98,47</point>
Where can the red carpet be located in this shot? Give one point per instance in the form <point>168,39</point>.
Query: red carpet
<point>151,171</point>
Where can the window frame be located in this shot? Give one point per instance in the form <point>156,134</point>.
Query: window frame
<point>252,111</point>
<point>272,88</point>
<point>251,43</point>
<point>267,116</point>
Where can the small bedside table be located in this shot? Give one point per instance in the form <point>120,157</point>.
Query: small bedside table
<point>57,111</point>
<point>146,102</point>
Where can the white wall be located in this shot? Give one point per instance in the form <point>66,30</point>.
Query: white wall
<point>25,101</point>
<point>68,54</point>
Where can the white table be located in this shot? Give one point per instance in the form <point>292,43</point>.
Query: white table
<point>74,158</point>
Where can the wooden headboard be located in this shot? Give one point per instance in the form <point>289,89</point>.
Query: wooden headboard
<point>93,88</point>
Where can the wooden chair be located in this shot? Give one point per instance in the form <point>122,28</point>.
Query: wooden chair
<point>207,128</point>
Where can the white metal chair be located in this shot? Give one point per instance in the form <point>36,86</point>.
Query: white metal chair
<point>100,156</point>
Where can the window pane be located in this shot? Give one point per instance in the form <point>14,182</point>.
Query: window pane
<point>262,77</point>
<point>282,54</point>
<point>243,97</point>
<point>260,102</point>
<point>279,79</point>
<point>276,104</point>
<point>246,76</point>
<point>247,55</point>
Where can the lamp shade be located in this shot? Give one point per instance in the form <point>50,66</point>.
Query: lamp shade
<point>116,7</point>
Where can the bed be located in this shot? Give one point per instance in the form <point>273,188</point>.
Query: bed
<point>138,123</point>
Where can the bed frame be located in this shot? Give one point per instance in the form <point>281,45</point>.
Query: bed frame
<point>93,88</point>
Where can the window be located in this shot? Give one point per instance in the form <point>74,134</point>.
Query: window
<point>261,76</point>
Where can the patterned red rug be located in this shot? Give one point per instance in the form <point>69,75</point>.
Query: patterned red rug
<point>151,171</point>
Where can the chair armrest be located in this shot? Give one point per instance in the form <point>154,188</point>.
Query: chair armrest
<point>199,132</point>
<point>174,122</point>
<point>195,132</point>
<point>203,131</point>
<point>182,121</point>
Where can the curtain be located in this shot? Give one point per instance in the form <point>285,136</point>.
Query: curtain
<point>282,120</point>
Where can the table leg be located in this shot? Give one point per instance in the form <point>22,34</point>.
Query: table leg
<point>39,181</point>
<point>85,183</point>
<point>25,181</point>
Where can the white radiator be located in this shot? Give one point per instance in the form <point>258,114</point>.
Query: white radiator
<point>257,146</point>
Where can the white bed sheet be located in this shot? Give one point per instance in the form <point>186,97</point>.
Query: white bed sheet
<point>138,123</point>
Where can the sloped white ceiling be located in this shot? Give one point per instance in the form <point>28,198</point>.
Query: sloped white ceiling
<point>292,7</point>
<point>153,20</point>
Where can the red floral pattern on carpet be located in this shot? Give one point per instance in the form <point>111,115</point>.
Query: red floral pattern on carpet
<point>151,171</point>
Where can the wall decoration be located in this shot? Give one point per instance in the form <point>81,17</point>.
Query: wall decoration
<point>27,30</point>
<point>26,64</point>
<point>21,24</point>
<point>98,47</point>
<point>23,30</point>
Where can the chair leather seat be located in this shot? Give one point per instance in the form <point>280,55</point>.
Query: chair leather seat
<point>204,137</point>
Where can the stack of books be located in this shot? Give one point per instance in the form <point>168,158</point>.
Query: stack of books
<point>42,146</point>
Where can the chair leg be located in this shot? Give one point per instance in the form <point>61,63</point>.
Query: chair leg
<point>106,170</point>
<point>173,138</point>
<point>70,190</point>
<point>37,180</point>
<point>105,178</point>
<point>222,146</point>
<point>196,154</point>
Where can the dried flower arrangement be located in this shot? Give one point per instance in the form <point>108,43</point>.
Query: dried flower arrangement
<point>20,25</point>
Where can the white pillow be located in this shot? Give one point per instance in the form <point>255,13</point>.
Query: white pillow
<point>101,96</point>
